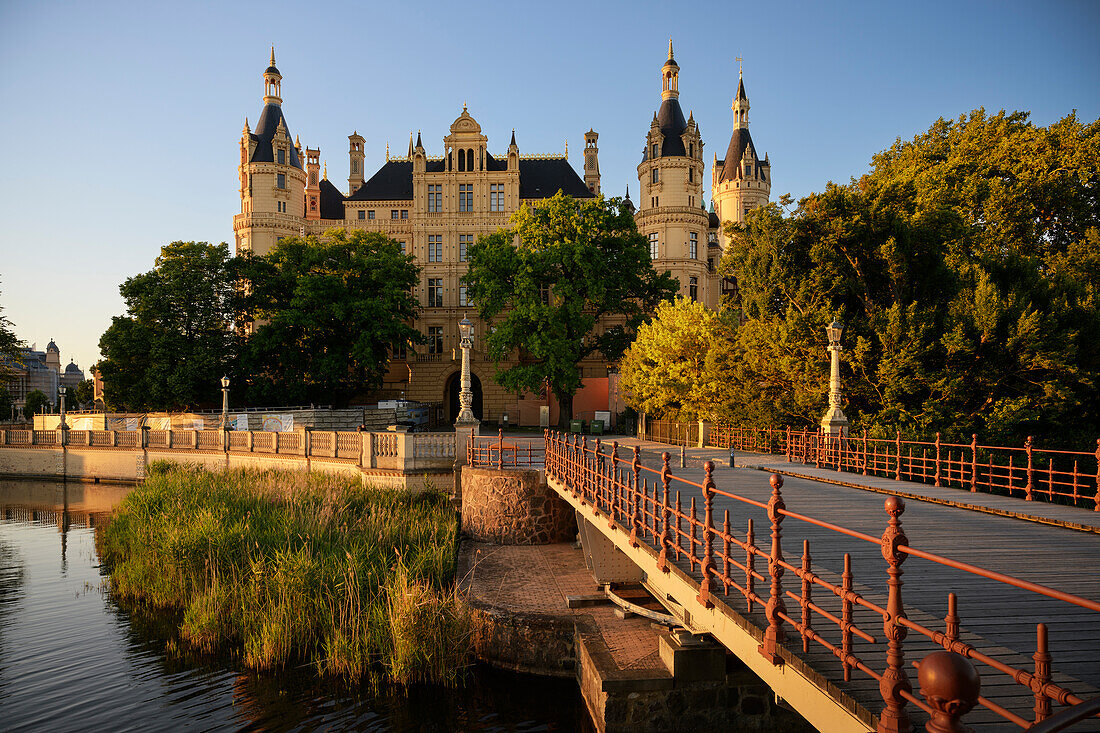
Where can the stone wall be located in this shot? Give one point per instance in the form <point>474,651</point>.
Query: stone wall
<point>514,507</point>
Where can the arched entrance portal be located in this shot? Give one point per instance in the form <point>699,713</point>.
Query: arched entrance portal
<point>450,394</point>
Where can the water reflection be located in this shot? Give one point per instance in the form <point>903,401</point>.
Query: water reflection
<point>71,659</point>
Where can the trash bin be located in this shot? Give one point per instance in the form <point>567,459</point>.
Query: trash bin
<point>596,427</point>
<point>576,426</point>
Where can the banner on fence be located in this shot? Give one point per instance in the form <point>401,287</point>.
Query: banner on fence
<point>278,423</point>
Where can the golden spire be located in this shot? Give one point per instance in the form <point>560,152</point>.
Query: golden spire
<point>272,55</point>
<point>669,50</point>
<point>325,175</point>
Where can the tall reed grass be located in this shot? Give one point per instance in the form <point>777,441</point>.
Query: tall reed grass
<point>285,567</point>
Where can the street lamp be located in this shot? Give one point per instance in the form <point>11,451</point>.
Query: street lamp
<point>225,403</point>
<point>61,392</point>
<point>834,424</point>
<point>466,394</point>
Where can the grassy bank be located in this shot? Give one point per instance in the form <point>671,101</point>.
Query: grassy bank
<point>285,567</point>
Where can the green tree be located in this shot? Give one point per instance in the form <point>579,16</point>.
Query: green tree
<point>330,314</point>
<point>11,347</point>
<point>84,393</point>
<point>966,267</point>
<point>177,338</point>
<point>35,402</point>
<point>678,366</point>
<point>563,271</point>
<point>6,403</point>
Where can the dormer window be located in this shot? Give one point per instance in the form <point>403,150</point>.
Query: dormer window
<point>653,151</point>
<point>281,157</point>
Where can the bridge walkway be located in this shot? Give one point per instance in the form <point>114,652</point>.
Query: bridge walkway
<point>998,619</point>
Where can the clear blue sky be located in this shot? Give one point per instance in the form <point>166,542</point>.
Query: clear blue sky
<point>121,121</point>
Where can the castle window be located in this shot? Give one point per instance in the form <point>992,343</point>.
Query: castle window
<point>470,159</point>
<point>463,299</point>
<point>280,180</point>
<point>544,294</point>
<point>435,197</point>
<point>464,241</point>
<point>466,195</point>
<point>313,178</point>
<point>653,151</point>
<point>394,213</point>
<point>653,246</point>
<point>435,248</point>
<point>312,204</point>
<point>496,197</point>
<point>362,214</point>
<point>282,157</point>
<point>370,213</point>
<point>402,246</point>
<point>710,264</point>
<point>404,213</point>
<point>691,150</point>
<point>693,246</point>
<point>748,169</point>
<point>354,166</point>
<point>693,288</point>
<point>461,160</point>
<point>399,351</point>
<point>435,292</point>
<point>435,339</point>
<point>691,175</point>
<point>654,172</point>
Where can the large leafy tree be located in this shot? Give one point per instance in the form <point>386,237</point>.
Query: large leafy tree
<point>678,366</point>
<point>11,347</point>
<point>177,337</point>
<point>571,278</point>
<point>966,267</point>
<point>329,314</point>
<point>36,402</point>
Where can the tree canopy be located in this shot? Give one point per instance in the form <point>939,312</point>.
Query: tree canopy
<point>177,338</point>
<point>965,266</point>
<point>569,279</point>
<point>11,347</point>
<point>36,401</point>
<point>678,366</point>
<point>329,314</point>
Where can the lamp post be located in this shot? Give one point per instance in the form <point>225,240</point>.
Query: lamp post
<point>225,403</point>
<point>61,392</point>
<point>834,424</point>
<point>466,394</point>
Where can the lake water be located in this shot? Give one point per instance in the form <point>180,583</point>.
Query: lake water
<point>70,659</point>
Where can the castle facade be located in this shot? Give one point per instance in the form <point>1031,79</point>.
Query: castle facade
<point>436,206</point>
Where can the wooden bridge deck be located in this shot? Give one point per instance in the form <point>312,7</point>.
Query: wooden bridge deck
<point>998,619</point>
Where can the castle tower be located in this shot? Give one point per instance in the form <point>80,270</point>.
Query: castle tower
<point>670,206</point>
<point>53,357</point>
<point>356,155</point>
<point>592,162</point>
<point>313,184</point>
<point>741,181</point>
<point>272,181</point>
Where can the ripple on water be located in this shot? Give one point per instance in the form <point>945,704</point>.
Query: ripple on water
<point>71,660</point>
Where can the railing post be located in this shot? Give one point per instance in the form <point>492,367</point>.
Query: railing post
<point>865,451</point>
<point>807,586</point>
<point>937,460</point>
<point>1030,470</point>
<point>666,479</point>
<point>615,500</point>
<point>894,718</point>
<point>897,447</point>
<point>750,566</point>
<point>774,634</point>
<point>635,514</point>
<point>1096,496</point>
<point>500,449</point>
<point>1042,674</point>
<point>817,449</point>
<point>788,447</point>
<point>708,535</point>
<point>847,597</point>
<point>973,462</point>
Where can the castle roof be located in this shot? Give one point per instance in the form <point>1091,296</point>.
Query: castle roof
<point>265,133</point>
<point>739,142</point>
<point>538,178</point>
<point>670,118</point>
<point>713,222</point>
<point>52,346</point>
<point>332,201</point>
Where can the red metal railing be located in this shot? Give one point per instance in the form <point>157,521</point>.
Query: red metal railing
<point>649,506</point>
<point>672,432</point>
<point>1027,472</point>
<point>484,451</point>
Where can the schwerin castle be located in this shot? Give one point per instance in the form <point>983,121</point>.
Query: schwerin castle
<point>435,206</point>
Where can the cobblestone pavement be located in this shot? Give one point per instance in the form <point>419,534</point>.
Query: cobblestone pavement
<point>537,579</point>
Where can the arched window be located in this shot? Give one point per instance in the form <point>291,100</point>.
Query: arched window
<point>691,175</point>
<point>691,150</point>
<point>470,159</point>
<point>450,167</point>
<point>461,160</point>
